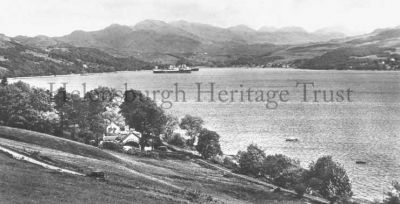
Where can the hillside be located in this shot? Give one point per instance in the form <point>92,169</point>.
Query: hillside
<point>23,56</point>
<point>194,43</point>
<point>379,50</point>
<point>128,179</point>
<point>151,42</point>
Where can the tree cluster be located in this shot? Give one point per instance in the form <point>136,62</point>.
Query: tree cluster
<point>325,177</point>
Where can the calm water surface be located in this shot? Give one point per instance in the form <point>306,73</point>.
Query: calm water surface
<point>368,128</point>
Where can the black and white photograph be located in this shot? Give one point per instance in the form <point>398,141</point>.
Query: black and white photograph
<point>199,101</point>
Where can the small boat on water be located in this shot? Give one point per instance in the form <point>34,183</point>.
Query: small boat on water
<point>195,69</point>
<point>173,69</point>
<point>361,162</point>
<point>291,139</point>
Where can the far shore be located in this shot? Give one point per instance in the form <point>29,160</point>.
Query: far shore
<point>208,68</point>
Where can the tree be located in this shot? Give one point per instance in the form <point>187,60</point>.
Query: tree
<point>89,113</point>
<point>193,125</point>
<point>176,139</point>
<point>66,110</point>
<point>112,115</point>
<point>394,195</point>
<point>333,182</point>
<point>251,161</point>
<point>98,102</point>
<point>208,145</point>
<point>144,115</point>
<point>4,81</point>
<point>274,165</point>
<point>25,107</point>
<point>170,126</point>
<point>290,177</point>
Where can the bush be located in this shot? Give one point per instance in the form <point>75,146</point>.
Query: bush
<point>300,189</point>
<point>196,196</point>
<point>85,137</point>
<point>193,126</point>
<point>217,159</point>
<point>230,163</point>
<point>315,183</point>
<point>113,146</point>
<point>251,161</point>
<point>290,178</point>
<point>274,165</point>
<point>177,140</point>
<point>146,154</point>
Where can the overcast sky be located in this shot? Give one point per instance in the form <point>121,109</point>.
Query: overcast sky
<point>60,17</point>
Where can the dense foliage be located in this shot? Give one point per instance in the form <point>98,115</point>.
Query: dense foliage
<point>208,144</point>
<point>143,114</point>
<point>25,107</point>
<point>329,178</point>
<point>274,165</point>
<point>83,118</point>
<point>176,139</point>
<point>193,125</point>
<point>324,177</point>
<point>251,161</point>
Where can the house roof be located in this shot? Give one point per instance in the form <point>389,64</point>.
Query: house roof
<point>110,138</point>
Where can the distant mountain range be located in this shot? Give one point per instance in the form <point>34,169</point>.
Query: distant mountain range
<point>152,42</point>
<point>152,37</point>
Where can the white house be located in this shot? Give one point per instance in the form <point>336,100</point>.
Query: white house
<point>113,129</point>
<point>125,135</point>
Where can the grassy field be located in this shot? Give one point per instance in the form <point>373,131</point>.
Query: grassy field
<point>129,179</point>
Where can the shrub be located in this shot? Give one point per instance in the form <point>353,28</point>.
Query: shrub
<point>112,146</point>
<point>133,151</point>
<point>290,177</point>
<point>193,126</point>
<point>177,140</point>
<point>230,163</point>
<point>146,154</point>
<point>274,165</point>
<point>217,159</point>
<point>251,161</point>
<point>315,183</point>
<point>85,137</point>
<point>35,154</point>
<point>196,196</point>
<point>300,189</point>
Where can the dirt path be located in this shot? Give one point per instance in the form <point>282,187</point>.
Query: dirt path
<point>22,157</point>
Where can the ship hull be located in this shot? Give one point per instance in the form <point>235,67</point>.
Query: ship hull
<point>171,71</point>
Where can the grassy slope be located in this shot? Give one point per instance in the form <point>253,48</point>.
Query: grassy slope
<point>27,183</point>
<point>53,142</point>
<point>128,179</point>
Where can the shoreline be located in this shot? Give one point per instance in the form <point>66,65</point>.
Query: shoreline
<point>241,68</point>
